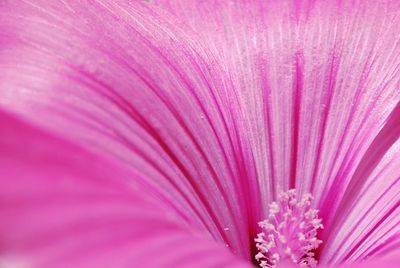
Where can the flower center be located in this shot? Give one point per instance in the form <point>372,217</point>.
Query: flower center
<point>289,235</point>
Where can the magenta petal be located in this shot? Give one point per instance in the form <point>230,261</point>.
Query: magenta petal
<point>387,262</point>
<point>61,206</point>
<point>222,104</point>
<point>318,83</point>
<point>123,79</point>
<point>368,215</point>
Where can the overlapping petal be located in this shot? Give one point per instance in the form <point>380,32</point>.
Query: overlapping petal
<point>121,78</point>
<point>61,206</point>
<point>222,104</point>
<point>319,89</point>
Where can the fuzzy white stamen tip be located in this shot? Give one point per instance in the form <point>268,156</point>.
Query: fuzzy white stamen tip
<point>289,234</point>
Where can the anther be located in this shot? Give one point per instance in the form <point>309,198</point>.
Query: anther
<point>289,234</point>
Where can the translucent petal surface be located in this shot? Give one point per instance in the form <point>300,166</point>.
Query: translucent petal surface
<point>122,79</point>
<point>222,104</point>
<point>318,84</point>
<point>61,206</point>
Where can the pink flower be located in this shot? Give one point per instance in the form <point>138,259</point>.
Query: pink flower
<point>175,133</point>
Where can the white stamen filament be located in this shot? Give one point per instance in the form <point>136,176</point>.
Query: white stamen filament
<point>290,232</point>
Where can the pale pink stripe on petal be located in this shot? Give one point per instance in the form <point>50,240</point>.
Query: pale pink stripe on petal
<point>222,104</point>
<point>61,206</point>
<point>317,82</point>
<point>121,78</point>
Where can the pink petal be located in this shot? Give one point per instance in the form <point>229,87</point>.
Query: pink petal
<point>122,79</point>
<point>222,113</point>
<point>370,209</point>
<point>321,105</point>
<point>61,206</point>
<point>389,262</point>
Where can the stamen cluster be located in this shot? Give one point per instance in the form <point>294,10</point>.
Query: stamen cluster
<point>289,235</point>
